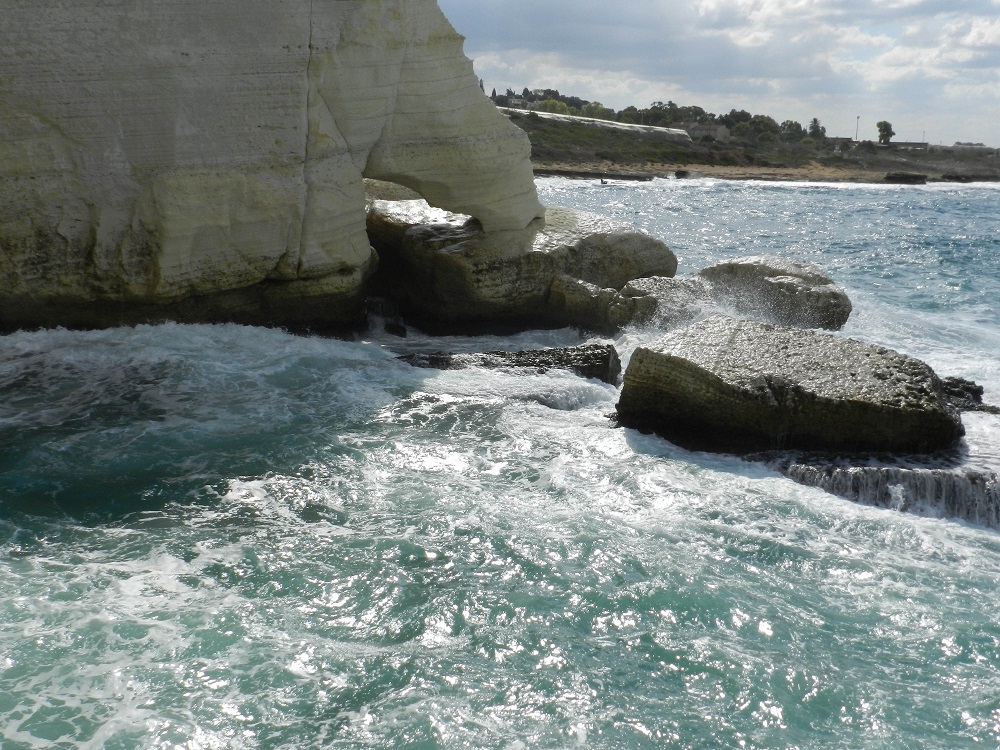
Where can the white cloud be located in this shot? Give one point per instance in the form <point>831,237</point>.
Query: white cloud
<point>787,58</point>
<point>984,32</point>
<point>750,37</point>
<point>521,68</point>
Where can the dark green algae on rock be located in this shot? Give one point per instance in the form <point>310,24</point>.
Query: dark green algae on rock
<point>735,385</point>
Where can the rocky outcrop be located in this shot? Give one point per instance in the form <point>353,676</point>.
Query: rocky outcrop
<point>767,289</point>
<point>456,274</point>
<point>778,290</point>
<point>970,177</point>
<point>965,395</point>
<point>388,222</point>
<point>905,178</point>
<point>763,288</point>
<point>580,276</point>
<point>737,385</point>
<point>159,159</point>
<point>598,361</point>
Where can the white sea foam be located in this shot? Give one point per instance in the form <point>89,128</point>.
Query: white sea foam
<point>219,536</point>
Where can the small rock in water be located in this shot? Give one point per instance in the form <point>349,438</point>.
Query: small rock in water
<point>598,361</point>
<point>965,395</point>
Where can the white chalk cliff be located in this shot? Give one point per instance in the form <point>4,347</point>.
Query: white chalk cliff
<point>207,158</point>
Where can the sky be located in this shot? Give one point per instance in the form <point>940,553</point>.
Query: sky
<point>929,67</point>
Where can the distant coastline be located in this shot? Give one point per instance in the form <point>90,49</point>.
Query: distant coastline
<point>814,172</point>
<point>575,148</point>
<point>805,173</point>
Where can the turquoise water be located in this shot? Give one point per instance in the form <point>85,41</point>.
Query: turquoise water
<point>228,537</point>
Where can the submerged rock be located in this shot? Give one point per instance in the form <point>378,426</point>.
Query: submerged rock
<point>599,361</point>
<point>456,273</point>
<point>211,167</point>
<point>725,384</point>
<point>958,492</point>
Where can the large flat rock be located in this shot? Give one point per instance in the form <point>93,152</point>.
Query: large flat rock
<point>732,384</point>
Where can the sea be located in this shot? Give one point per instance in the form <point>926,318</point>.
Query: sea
<point>218,536</point>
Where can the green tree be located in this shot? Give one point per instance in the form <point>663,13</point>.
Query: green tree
<point>693,114</point>
<point>792,131</point>
<point>734,118</point>
<point>816,131</point>
<point>630,115</point>
<point>758,128</point>
<point>554,106</point>
<point>885,131</point>
<point>654,115</point>
<point>597,111</point>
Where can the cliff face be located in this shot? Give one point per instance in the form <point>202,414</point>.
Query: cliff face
<point>204,161</point>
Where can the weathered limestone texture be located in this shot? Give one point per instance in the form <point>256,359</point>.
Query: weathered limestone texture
<point>763,288</point>
<point>206,160</point>
<point>735,384</point>
<point>455,273</point>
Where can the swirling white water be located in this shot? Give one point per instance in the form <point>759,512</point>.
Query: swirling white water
<point>227,537</point>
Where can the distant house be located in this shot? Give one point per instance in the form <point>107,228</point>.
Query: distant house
<point>517,103</point>
<point>909,145</point>
<point>699,130</point>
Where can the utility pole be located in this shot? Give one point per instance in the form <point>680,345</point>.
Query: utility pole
<point>857,126</point>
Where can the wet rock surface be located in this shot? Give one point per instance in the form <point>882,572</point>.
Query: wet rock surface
<point>764,288</point>
<point>599,361</point>
<point>965,395</point>
<point>726,384</point>
<point>580,270</point>
<point>944,488</point>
